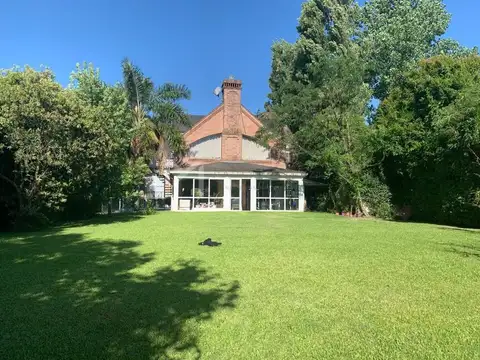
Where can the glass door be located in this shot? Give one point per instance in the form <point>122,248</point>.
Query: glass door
<point>235,195</point>
<point>245,194</point>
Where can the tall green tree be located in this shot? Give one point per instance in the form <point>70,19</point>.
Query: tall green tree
<point>428,133</point>
<point>318,107</point>
<point>37,121</point>
<point>107,107</point>
<point>325,27</point>
<point>60,149</point>
<point>396,34</point>
<point>156,114</point>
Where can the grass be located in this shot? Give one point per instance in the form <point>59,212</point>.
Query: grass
<point>282,286</point>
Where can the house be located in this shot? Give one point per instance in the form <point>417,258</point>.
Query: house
<point>226,169</point>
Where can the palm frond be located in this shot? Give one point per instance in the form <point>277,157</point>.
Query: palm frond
<point>172,92</point>
<point>173,139</point>
<point>138,87</point>
<point>150,124</point>
<point>156,116</point>
<point>170,113</point>
<point>170,142</point>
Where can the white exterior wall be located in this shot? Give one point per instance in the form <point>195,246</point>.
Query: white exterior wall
<point>209,147</point>
<point>253,151</point>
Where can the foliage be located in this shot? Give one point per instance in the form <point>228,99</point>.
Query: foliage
<point>319,102</point>
<point>395,35</point>
<point>324,27</point>
<point>376,194</point>
<point>428,136</point>
<point>52,144</point>
<point>107,108</point>
<point>64,152</point>
<point>155,114</point>
<point>392,37</point>
<point>149,208</point>
<point>132,180</point>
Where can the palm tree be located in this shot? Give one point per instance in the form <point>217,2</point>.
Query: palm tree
<point>156,116</point>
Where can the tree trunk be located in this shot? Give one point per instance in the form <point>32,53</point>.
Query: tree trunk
<point>362,206</point>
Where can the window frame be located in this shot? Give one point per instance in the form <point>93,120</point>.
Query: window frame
<point>239,197</point>
<point>210,199</point>
<point>285,199</point>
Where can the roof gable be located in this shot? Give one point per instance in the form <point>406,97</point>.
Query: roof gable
<point>213,124</point>
<point>250,124</point>
<point>210,125</point>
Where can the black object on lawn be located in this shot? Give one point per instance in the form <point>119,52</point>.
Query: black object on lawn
<point>209,242</point>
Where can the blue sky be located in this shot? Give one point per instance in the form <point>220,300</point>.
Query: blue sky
<point>194,42</point>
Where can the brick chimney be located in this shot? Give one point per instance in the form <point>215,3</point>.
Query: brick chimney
<point>232,120</point>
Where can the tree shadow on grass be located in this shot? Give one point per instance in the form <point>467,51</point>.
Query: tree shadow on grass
<point>466,230</point>
<point>103,219</point>
<point>464,249</point>
<point>468,251</point>
<point>66,297</point>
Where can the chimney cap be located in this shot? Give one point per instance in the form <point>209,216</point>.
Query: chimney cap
<point>232,83</point>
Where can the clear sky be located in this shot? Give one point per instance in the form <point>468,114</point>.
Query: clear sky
<point>193,42</point>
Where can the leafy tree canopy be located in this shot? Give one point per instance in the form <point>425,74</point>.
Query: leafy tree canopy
<point>318,105</point>
<point>59,147</point>
<point>428,133</point>
<point>156,114</point>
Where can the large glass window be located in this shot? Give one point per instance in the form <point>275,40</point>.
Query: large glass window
<point>278,204</point>
<point>292,189</point>
<point>185,187</point>
<point>263,194</point>
<point>200,194</point>
<point>277,195</point>
<point>292,204</point>
<point>263,204</point>
<point>263,188</point>
<point>216,188</point>
<point>278,189</point>
<point>201,188</point>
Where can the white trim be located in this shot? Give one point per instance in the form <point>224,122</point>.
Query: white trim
<point>284,198</point>
<point>227,183</point>
<point>253,194</point>
<point>239,197</point>
<point>227,193</point>
<point>209,198</point>
<point>301,196</point>
<point>236,174</point>
<point>174,204</point>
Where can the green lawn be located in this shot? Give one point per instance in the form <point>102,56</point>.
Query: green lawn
<point>282,286</point>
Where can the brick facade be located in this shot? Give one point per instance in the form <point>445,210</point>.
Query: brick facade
<point>232,121</point>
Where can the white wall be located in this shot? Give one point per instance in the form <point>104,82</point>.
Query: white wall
<point>253,151</point>
<point>209,147</point>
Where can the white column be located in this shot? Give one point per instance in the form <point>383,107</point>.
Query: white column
<point>175,193</point>
<point>227,193</point>
<point>253,194</point>
<point>301,195</point>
